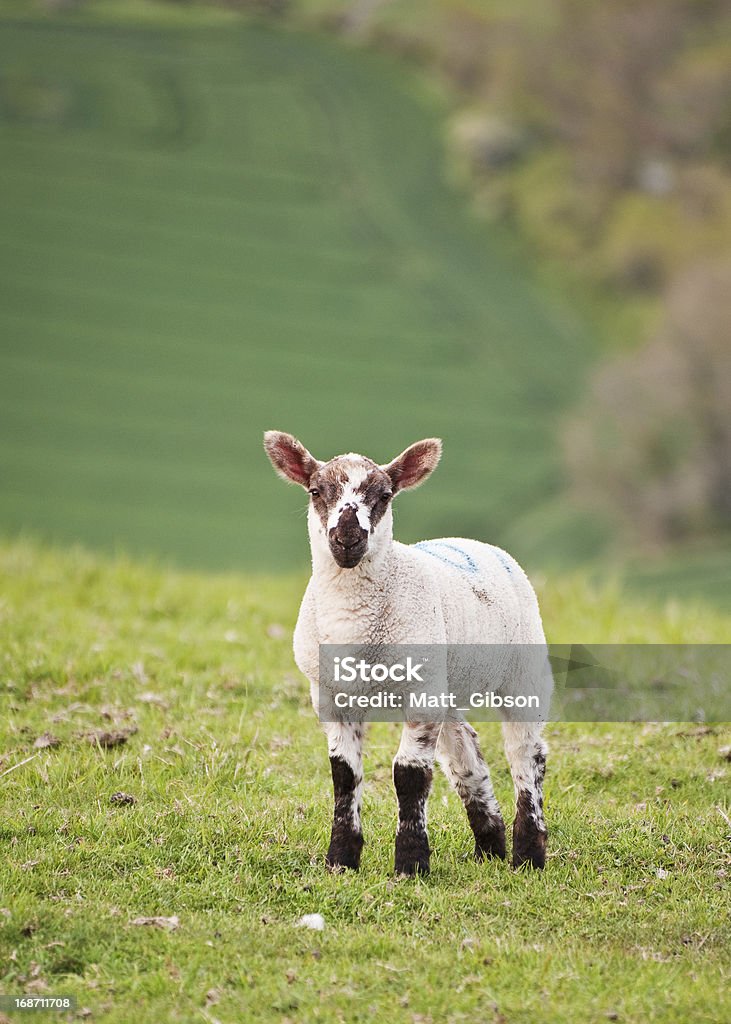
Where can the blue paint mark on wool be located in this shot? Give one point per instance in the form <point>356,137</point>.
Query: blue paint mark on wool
<point>450,554</point>
<point>504,559</point>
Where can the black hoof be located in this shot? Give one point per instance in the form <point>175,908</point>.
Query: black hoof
<point>412,868</point>
<point>344,852</point>
<point>490,841</point>
<point>412,854</point>
<point>489,849</point>
<point>529,848</point>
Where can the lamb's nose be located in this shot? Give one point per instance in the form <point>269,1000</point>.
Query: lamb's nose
<point>346,542</point>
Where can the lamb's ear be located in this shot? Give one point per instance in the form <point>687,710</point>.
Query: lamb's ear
<point>414,465</point>
<point>290,458</point>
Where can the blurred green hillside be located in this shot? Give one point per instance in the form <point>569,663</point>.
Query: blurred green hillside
<point>209,233</point>
<point>213,225</point>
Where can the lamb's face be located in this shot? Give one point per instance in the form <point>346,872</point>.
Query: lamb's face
<point>350,500</point>
<point>350,516</point>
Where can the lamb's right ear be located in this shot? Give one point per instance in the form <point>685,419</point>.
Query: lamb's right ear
<point>290,458</point>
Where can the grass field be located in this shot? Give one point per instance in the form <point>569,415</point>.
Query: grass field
<point>629,922</point>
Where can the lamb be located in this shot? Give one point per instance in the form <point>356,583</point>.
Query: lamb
<point>367,588</point>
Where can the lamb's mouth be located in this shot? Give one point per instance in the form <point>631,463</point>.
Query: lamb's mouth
<point>348,552</point>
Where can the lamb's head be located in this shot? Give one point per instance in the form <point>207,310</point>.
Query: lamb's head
<point>350,516</point>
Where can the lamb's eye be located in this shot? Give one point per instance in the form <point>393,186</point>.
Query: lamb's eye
<point>387,496</point>
<point>314,492</point>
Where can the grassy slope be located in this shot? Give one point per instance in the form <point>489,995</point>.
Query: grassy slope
<point>231,819</point>
<point>207,232</point>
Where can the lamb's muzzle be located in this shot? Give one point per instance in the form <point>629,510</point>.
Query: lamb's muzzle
<point>367,589</point>
<point>348,540</point>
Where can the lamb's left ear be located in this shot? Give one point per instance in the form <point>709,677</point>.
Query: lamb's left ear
<point>414,465</point>
<point>290,458</point>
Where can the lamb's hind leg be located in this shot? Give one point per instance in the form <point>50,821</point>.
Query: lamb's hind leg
<point>345,746</point>
<point>412,776</point>
<point>525,750</point>
<point>460,756</point>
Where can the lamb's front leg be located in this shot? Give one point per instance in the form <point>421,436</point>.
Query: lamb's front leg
<point>412,777</point>
<point>345,746</point>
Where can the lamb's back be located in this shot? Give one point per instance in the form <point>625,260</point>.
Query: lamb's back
<point>485,595</point>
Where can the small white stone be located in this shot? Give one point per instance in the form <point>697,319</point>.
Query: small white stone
<point>314,921</point>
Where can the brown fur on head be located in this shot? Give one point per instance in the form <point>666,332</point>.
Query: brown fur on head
<point>350,494</point>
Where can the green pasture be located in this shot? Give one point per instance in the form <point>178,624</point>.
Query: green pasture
<point>228,768</point>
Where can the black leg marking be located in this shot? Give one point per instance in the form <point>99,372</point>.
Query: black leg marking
<point>529,841</point>
<point>412,782</point>
<point>488,829</point>
<point>530,835</point>
<point>346,840</point>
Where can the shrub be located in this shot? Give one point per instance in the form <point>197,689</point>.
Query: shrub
<point>652,441</point>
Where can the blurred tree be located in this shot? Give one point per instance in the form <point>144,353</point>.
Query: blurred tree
<point>630,100</point>
<point>651,443</point>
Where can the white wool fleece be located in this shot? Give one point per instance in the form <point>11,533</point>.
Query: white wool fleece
<point>450,590</point>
